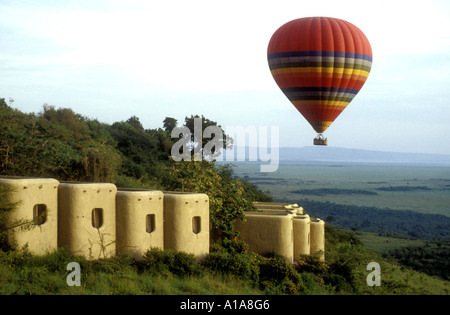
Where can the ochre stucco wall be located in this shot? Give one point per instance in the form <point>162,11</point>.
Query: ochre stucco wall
<point>267,232</point>
<point>301,225</point>
<point>76,202</point>
<point>283,230</point>
<point>29,192</point>
<point>318,238</point>
<point>139,221</point>
<point>182,213</point>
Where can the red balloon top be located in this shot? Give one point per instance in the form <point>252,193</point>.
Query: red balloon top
<point>319,34</point>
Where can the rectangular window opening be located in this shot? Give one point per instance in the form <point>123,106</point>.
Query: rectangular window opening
<point>196,225</point>
<point>150,223</point>
<point>97,217</point>
<point>39,214</point>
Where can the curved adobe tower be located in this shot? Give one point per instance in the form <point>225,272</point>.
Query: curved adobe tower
<point>87,219</point>
<point>37,201</point>
<point>139,221</point>
<point>186,222</point>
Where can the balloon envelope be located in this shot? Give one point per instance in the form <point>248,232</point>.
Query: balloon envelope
<point>320,64</point>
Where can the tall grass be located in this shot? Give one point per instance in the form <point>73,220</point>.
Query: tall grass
<point>230,269</point>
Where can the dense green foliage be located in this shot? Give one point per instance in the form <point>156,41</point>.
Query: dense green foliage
<point>228,198</point>
<point>433,258</point>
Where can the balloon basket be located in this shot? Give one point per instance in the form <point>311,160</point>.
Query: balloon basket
<point>320,140</point>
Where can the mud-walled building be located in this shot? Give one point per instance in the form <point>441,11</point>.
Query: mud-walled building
<point>283,228</point>
<point>139,221</point>
<point>87,219</point>
<point>36,202</point>
<point>97,220</point>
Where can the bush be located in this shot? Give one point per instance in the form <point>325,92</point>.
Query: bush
<point>311,264</point>
<point>233,257</point>
<point>278,276</point>
<point>272,274</point>
<point>231,246</point>
<point>157,261</point>
<point>56,261</point>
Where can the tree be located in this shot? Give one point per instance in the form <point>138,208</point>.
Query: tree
<point>101,163</point>
<point>135,123</point>
<point>32,145</point>
<point>169,124</point>
<point>57,143</point>
<point>145,153</point>
<point>190,122</point>
<point>66,117</point>
<point>227,197</point>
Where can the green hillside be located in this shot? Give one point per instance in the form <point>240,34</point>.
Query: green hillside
<point>65,145</point>
<point>229,269</point>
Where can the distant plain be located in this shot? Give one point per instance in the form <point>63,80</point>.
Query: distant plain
<point>419,188</point>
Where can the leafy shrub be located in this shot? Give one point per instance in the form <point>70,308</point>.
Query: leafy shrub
<point>278,276</point>
<point>112,265</point>
<point>311,264</point>
<point>233,257</point>
<point>227,196</point>
<point>56,261</point>
<point>157,261</point>
<point>272,274</point>
<point>231,246</point>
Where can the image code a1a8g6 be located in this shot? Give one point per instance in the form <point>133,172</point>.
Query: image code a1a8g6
<point>226,304</point>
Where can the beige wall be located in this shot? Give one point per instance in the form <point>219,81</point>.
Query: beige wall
<point>265,233</point>
<point>76,230</point>
<point>35,195</point>
<point>291,235</point>
<point>139,221</point>
<point>302,238</point>
<point>186,222</point>
<point>318,238</point>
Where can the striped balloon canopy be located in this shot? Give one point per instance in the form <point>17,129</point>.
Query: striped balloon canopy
<point>320,64</point>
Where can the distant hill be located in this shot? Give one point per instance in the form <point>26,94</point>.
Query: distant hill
<point>342,155</point>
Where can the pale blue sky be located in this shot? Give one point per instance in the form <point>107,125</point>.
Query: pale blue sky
<point>110,59</point>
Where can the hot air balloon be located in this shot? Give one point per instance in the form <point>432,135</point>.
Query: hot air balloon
<point>320,64</point>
